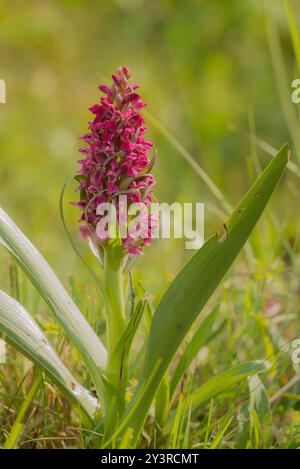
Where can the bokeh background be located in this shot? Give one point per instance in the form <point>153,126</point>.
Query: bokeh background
<point>204,68</point>
<point>217,79</point>
<point>211,72</point>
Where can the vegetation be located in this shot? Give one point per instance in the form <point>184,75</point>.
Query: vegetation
<point>207,355</point>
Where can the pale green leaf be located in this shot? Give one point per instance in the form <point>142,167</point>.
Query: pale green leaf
<point>260,407</point>
<point>49,286</point>
<point>24,334</point>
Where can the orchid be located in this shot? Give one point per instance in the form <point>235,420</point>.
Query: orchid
<point>117,163</point>
<point>116,159</point>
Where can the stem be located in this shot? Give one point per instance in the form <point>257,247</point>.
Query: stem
<point>116,321</point>
<point>19,423</point>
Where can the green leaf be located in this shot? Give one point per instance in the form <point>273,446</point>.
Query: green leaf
<point>24,334</point>
<point>162,402</point>
<point>123,347</point>
<point>260,414</point>
<point>192,288</point>
<point>200,337</point>
<point>65,310</point>
<point>225,380</point>
<point>122,350</point>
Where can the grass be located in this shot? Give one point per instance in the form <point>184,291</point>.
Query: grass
<point>251,306</point>
<point>257,306</point>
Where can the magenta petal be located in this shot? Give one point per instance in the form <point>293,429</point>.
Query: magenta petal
<point>105,89</point>
<point>84,232</point>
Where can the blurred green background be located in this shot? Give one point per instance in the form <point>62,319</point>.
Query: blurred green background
<point>204,67</point>
<point>216,75</point>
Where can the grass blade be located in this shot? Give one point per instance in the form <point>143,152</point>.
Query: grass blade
<point>124,346</point>
<point>225,380</point>
<point>191,161</point>
<point>19,424</point>
<point>218,439</point>
<point>282,81</point>
<point>260,408</point>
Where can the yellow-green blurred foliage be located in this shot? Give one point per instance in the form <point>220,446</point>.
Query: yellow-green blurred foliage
<point>203,65</point>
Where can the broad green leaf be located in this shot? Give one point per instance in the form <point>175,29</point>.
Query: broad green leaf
<point>225,380</point>
<point>199,339</point>
<point>192,288</point>
<point>24,334</point>
<point>49,286</point>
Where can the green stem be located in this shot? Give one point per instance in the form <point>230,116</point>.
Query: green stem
<point>19,423</point>
<point>116,320</point>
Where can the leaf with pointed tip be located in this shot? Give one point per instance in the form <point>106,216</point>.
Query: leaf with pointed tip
<point>192,288</point>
